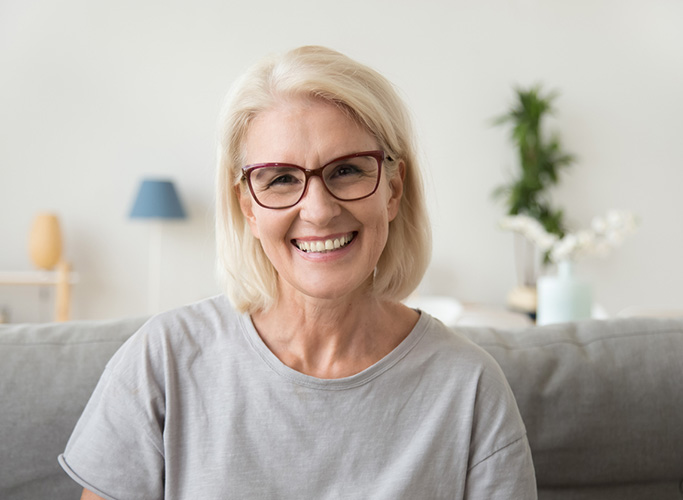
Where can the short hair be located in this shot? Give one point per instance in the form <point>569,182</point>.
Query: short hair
<point>247,276</point>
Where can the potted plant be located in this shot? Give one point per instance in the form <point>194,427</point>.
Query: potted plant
<point>540,162</point>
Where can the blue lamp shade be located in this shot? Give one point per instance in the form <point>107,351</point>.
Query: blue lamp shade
<point>157,199</point>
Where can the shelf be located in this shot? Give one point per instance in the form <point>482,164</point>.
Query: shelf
<point>34,278</point>
<point>61,279</point>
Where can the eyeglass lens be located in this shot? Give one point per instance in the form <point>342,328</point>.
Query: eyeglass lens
<point>346,179</point>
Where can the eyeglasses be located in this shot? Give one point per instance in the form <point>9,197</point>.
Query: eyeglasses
<point>348,178</point>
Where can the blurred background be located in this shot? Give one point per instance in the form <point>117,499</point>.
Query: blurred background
<point>96,96</point>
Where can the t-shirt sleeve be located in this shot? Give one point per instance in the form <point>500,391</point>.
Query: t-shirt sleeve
<point>116,449</point>
<point>500,463</point>
<point>506,474</point>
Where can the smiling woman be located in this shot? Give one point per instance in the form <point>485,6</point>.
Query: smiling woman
<point>312,380</point>
<point>367,101</point>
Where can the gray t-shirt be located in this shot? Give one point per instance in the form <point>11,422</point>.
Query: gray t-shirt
<point>195,405</point>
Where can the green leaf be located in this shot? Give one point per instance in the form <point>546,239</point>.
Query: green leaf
<point>540,159</point>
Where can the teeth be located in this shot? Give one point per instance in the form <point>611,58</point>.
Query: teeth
<point>324,246</point>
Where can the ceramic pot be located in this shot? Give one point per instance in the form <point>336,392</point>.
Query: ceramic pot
<point>45,241</point>
<point>564,297</point>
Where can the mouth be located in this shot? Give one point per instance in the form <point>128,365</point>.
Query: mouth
<point>324,246</point>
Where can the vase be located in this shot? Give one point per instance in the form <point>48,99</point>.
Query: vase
<point>45,241</point>
<point>563,298</point>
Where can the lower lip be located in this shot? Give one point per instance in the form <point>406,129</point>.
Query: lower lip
<point>326,256</point>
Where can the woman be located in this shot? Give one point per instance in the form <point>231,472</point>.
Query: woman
<point>313,380</point>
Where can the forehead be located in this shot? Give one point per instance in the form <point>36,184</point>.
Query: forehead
<point>302,130</point>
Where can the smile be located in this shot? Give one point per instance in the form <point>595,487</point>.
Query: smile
<point>322,246</point>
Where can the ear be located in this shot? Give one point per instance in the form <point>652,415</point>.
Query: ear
<point>396,187</point>
<point>246,205</point>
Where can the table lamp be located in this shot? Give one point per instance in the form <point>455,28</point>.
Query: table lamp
<point>157,200</point>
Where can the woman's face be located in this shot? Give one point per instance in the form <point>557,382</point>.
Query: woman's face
<point>310,133</point>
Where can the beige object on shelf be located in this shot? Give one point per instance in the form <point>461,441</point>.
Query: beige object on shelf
<point>523,299</point>
<point>45,241</point>
<point>61,279</point>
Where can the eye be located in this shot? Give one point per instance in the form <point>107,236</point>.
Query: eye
<point>276,177</point>
<point>346,169</point>
<point>283,179</point>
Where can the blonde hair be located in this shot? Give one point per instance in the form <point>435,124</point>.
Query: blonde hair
<point>247,275</point>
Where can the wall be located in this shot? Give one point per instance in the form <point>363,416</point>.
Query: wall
<point>96,95</point>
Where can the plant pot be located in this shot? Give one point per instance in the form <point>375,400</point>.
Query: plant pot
<point>563,298</point>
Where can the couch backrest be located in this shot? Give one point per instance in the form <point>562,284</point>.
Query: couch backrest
<point>602,402</point>
<point>47,373</point>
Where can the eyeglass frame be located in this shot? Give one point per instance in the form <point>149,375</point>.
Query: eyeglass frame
<point>379,155</point>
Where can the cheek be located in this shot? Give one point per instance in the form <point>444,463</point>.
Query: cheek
<point>271,228</point>
<point>378,224</point>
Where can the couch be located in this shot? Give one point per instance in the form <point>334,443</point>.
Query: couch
<point>602,402</point>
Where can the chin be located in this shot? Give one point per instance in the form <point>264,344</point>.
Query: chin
<point>315,291</point>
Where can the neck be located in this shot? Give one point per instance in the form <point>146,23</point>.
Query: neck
<point>333,338</point>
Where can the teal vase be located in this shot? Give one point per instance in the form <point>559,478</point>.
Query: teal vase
<point>563,298</point>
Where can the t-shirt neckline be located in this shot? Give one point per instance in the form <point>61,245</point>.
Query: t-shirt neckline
<point>336,384</point>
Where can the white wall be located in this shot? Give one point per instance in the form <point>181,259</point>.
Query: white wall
<point>95,95</point>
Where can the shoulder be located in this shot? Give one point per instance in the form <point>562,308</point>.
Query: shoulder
<point>455,353</point>
<point>195,320</point>
<point>458,365</point>
<point>181,332</point>
<point>215,313</point>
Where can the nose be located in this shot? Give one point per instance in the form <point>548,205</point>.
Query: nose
<point>318,206</point>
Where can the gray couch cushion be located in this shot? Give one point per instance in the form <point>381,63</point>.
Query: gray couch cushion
<point>602,402</point>
<point>47,373</point>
